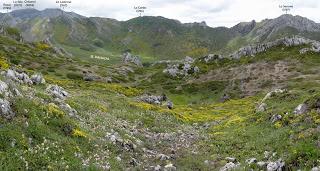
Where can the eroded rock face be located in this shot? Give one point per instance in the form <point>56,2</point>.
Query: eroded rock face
<point>252,50</point>
<point>182,68</point>
<point>22,77</point>
<point>57,92</point>
<point>129,58</point>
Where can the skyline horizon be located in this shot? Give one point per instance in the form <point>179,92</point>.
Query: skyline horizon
<point>40,10</point>
<point>218,13</point>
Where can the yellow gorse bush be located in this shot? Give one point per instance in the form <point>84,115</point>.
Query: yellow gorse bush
<point>54,110</point>
<point>4,63</point>
<point>79,133</point>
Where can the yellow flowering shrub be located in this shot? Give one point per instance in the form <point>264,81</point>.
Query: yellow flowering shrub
<point>54,110</point>
<point>4,63</point>
<point>278,125</point>
<point>42,46</point>
<point>79,133</point>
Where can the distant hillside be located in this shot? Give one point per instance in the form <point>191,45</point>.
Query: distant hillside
<point>153,37</point>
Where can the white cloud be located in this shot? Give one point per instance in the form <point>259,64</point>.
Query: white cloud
<point>214,12</point>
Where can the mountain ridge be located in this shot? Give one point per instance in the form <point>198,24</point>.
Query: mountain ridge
<point>154,37</point>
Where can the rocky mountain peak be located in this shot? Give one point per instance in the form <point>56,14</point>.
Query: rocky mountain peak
<point>244,27</point>
<point>270,27</point>
<point>47,13</point>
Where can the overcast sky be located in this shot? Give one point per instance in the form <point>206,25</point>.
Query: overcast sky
<point>214,12</point>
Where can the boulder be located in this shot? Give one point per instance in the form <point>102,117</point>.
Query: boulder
<point>38,79</point>
<point>170,105</point>
<point>181,68</point>
<point>169,167</point>
<point>301,109</point>
<point>5,109</point>
<point>71,111</point>
<point>316,168</point>
<point>22,77</point>
<point>196,69</point>
<point>231,159</point>
<point>151,99</point>
<point>157,168</point>
<point>212,57</point>
<point>189,60</point>
<point>304,50</point>
<point>276,166</point>
<point>230,166</point>
<point>262,164</point>
<point>262,107</point>
<point>275,118</point>
<point>3,87</point>
<point>162,157</point>
<point>172,70</point>
<point>57,92</point>
<point>251,161</point>
<point>129,58</point>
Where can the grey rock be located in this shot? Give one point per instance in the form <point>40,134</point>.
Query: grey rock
<point>231,159</point>
<point>57,92</point>
<point>229,166</point>
<point>169,167</point>
<point>301,109</point>
<point>316,168</point>
<point>244,27</point>
<point>262,107</point>
<point>38,79</point>
<point>212,57</point>
<point>189,60</point>
<point>304,50</point>
<point>163,157</point>
<point>157,168</point>
<point>129,58</point>
<point>3,87</point>
<point>71,111</point>
<point>252,50</point>
<point>276,166</point>
<point>134,162</point>
<point>262,164</point>
<point>275,118</point>
<point>196,69</point>
<point>181,68</point>
<point>22,77</point>
<point>170,105</point>
<point>151,99</point>
<point>5,109</point>
<point>251,161</point>
<point>11,74</point>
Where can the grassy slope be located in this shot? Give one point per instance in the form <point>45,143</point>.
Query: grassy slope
<point>236,130</point>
